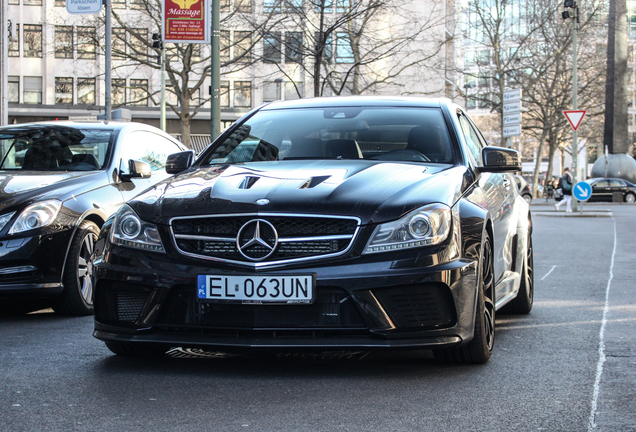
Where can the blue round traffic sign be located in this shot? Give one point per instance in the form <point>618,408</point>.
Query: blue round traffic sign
<point>582,191</point>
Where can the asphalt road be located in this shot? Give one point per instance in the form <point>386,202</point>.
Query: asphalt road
<point>569,365</point>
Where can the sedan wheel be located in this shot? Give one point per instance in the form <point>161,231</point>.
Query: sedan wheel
<point>479,350</point>
<point>630,198</point>
<point>77,297</point>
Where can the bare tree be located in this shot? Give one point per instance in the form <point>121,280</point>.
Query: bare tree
<point>364,45</point>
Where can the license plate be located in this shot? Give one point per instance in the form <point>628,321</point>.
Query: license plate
<point>257,289</point>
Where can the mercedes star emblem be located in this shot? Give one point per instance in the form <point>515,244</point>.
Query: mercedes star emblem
<point>257,240</point>
<point>262,201</point>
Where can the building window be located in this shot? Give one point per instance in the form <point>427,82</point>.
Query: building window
<point>86,91</point>
<point>343,6</point>
<point>271,91</point>
<point>14,42</point>
<point>118,4</point>
<point>224,46</point>
<point>63,90</point>
<point>294,90</point>
<point>64,42</point>
<point>14,89</point>
<point>242,94</point>
<point>293,47</point>
<point>118,92</point>
<point>32,40</point>
<point>32,2</point>
<point>138,43</point>
<point>118,43</point>
<point>272,6</point>
<point>224,94</point>
<point>14,2</point>
<point>32,90</point>
<point>86,42</point>
<point>271,47</point>
<point>483,57</point>
<point>242,45</point>
<point>325,6</point>
<point>59,3</point>
<point>196,52</point>
<point>344,50</point>
<point>224,5</point>
<point>137,4</point>
<point>243,5</point>
<point>294,5</point>
<point>139,92</point>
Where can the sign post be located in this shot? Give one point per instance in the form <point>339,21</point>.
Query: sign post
<point>582,191</point>
<point>511,115</point>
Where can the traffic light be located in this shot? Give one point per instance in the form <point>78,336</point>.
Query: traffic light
<point>569,4</point>
<point>156,42</point>
<point>566,15</point>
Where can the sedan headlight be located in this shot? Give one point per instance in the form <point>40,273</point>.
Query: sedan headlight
<point>426,226</point>
<point>37,215</point>
<point>130,231</point>
<point>4,219</point>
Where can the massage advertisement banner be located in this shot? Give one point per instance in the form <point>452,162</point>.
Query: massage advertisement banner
<point>186,21</point>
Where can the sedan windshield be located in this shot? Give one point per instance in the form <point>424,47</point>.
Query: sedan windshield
<point>53,148</point>
<point>376,133</point>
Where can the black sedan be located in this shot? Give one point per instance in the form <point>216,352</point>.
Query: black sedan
<point>603,189</point>
<point>337,223</point>
<point>59,182</point>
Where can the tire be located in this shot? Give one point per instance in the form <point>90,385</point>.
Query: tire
<point>527,197</point>
<point>522,304</point>
<point>479,349</point>
<point>132,350</point>
<point>77,297</point>
<point>630,198</point>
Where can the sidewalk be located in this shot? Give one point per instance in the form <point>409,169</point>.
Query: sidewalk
<point>597,209</point>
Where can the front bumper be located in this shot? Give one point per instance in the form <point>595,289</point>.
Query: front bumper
<point>381,301</point>
<point>32,266</point>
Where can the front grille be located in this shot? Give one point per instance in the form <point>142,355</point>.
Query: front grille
<point>18,271</point>
<point>425,306</point>
<point>333,309</point>
<point>293,237</point>
<point>129,305</point>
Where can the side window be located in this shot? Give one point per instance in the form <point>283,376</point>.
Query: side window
<point>147,147</point>
<point>617,183</point>
<point>472,139</point>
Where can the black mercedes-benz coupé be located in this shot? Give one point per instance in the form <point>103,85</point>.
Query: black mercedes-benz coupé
<point>329,224</point>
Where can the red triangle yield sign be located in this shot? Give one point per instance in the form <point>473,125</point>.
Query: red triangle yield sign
<point>575,117</point>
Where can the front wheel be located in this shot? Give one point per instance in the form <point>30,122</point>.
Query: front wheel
<point>478,350</point>
<point>77,297</point>
<point>630,198</point>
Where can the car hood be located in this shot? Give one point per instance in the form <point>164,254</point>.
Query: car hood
<point>372,191</point>
<point>25,187</point>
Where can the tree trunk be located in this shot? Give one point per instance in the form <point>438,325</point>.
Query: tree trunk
<point>537,165</point>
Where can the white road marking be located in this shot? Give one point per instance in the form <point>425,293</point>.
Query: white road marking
<point>548,273</point>
<point>601,344</point>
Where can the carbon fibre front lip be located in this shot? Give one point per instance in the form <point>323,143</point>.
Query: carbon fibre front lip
<point>345,342</point>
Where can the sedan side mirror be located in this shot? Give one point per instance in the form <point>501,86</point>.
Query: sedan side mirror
<point>179,162</point>
<point>500,159</point>
<point>136,169</point>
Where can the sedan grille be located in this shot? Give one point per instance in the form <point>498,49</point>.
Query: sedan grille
<point>263,239</point>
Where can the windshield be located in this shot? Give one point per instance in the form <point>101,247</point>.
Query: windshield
<point>53,148</point>
<point>383,133</point>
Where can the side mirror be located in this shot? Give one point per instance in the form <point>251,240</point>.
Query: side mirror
<point>137,169</point>
<point>179,162</point>
<point>500,159</point>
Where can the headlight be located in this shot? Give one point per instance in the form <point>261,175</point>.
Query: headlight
<point>36,215</point>
<point>4,219</point>
<point>426,226</point>
<point>130,231</point>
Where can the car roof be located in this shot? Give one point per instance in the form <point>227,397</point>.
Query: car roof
<point>359,101</point>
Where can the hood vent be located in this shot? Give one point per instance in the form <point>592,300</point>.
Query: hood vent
<point>248,182</point>
<point>313,182</point>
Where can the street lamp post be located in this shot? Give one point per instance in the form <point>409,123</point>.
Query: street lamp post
<point>574,15</point>
<point>215,71</point>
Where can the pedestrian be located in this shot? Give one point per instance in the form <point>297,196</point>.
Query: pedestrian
<point>566,187</point>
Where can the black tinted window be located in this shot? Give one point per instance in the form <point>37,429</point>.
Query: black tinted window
<point>396,134</point>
